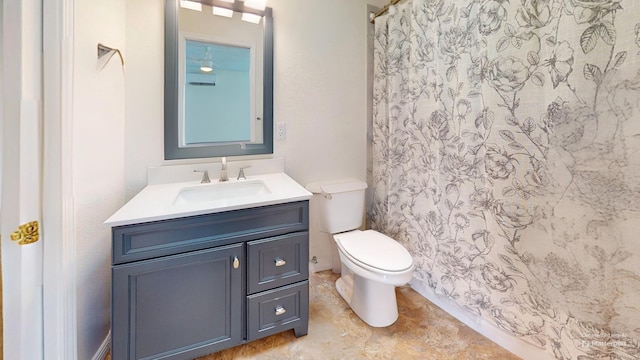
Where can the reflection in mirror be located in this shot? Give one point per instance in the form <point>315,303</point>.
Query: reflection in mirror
<point>218,81</point>
<point>218,106</point>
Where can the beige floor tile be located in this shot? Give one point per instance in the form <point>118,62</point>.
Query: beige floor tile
<point>423,331</point>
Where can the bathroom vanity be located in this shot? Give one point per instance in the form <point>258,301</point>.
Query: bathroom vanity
<point>207,273</point>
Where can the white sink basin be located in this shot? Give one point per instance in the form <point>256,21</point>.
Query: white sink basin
<point>181,199</point>
<point>221,191</point>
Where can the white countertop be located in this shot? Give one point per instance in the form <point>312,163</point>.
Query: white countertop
<point>156,202</point>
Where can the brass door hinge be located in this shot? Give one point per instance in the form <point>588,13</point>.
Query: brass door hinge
<point>27,233</point>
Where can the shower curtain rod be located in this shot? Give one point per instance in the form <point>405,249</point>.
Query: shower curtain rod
<point>383,10</point>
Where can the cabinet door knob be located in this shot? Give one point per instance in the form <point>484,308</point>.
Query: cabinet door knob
<point>280,262</point>
<point>280,310</point>
<point>236,262</point>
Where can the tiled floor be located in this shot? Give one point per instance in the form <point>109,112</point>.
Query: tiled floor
<point>423,331</point>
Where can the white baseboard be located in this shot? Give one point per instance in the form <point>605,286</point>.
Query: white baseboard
<point>103,349</point>
<point>489,330</point>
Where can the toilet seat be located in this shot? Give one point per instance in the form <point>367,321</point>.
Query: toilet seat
<point>371,249</point>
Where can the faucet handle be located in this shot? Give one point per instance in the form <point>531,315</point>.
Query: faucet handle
<point>223,170</point>
<point>205,176</point>
<point>241,173</point>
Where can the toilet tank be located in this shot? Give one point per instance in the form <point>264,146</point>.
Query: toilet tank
<point>339,204</point>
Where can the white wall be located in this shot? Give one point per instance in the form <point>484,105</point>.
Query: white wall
<point>319,90</point>
<point>144,91</point>
<point>98,161</point>
<point>320,87</point>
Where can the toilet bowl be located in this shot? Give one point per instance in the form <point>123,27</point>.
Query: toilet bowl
<point>372,264</point>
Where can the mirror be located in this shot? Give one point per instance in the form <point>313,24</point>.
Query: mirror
<point>218,81</point>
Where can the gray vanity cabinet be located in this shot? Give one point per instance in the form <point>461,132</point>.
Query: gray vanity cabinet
<point>191,286</point>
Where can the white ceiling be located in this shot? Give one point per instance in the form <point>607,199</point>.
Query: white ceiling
<point>225,57</point>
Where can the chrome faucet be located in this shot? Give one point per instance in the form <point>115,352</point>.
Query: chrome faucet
<point>241,175</point>
<point>205,176</point>
<point>223,170</point>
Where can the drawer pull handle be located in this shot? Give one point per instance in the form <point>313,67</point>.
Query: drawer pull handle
<point>280,262</point>
<point>280,310</point>
<point>236,262</point>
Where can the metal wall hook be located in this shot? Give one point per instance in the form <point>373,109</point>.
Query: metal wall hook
<point>107,51</point>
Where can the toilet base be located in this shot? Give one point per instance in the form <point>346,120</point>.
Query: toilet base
<point>344,289</point>
<point>374,302</point>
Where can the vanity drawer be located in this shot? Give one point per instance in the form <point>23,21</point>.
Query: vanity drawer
<point>277,261</point>
<point>277,310</point>
<point>167,237</point>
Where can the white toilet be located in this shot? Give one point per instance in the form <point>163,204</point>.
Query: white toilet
<point>373,264</point>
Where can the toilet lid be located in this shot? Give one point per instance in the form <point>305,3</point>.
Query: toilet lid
<point>375,249</point>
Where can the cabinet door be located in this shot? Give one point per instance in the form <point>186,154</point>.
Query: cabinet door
<point>179,306</point>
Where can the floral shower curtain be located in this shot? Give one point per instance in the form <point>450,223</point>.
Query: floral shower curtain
<point>506,157</point>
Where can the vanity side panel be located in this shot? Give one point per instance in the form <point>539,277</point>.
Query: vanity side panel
<point>160,238</point>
